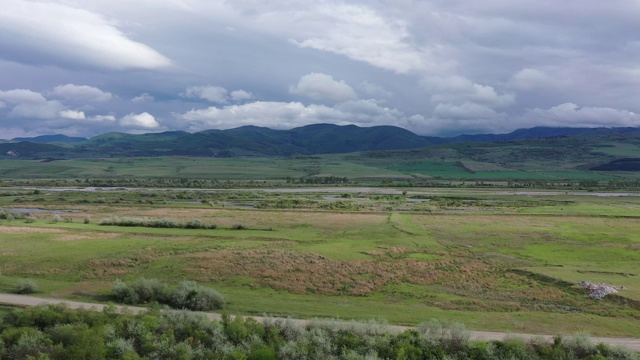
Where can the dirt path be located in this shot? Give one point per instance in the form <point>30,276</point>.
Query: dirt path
<point>22,300</point>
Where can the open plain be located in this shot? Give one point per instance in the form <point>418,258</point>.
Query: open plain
<point>495,259</point>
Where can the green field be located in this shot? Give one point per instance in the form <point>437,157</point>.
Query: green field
<point>494,259</point>
<point>477,163</point>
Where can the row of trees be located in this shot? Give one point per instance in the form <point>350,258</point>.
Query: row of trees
<point>56,332</point>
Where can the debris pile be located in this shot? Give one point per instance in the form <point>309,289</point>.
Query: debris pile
<point>599,290</point>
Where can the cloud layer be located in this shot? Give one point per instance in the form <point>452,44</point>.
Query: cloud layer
<point>433,67</point>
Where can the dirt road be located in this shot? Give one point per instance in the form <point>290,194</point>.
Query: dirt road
<point>22,300</point>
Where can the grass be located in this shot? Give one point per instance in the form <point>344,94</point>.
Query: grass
<point>497,262</point>
<point>479,162</point>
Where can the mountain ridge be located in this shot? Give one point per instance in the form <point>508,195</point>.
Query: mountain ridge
<point>262,141</point>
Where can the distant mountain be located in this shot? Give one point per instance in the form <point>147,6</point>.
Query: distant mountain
<point>539,132</point>
<point>46,139</point>
<point>254,140</point>
<point>261,141</point>
<point>30,149</point>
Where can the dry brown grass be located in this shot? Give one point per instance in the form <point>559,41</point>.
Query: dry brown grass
<point>86,236</point>
<point>23,229</point>
<point>304,273</point>
<point>260,218</point>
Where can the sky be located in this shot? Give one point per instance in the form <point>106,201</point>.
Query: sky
<point>434,67</point>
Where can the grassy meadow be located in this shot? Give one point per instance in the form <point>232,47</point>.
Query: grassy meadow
<point>493,259</point>
<point>433,163</point>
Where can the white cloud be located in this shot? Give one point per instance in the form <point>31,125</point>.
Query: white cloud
<point>214,94</point>
<point>569,114</point>
<point>458,89</point>
<point>374,90</point>
<point>240,95</point>
<point>286,115</point>
<point>2,105</point>
<point>466,110</point>
<point>45,110</point>
<point>22,96</point>
<point>103,118</point>
<point>83,93</point>
<point>319,86</point>
<point>53,33</point>
<point>530,79</point>
<point>144,97</point>
<point>144,120</point>
<point>72,114</point>
<point>358,32</point>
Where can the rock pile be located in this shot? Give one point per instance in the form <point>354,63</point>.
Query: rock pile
<point>599,290</point>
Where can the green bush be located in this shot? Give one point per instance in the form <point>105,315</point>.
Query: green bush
<point>56,332</point>
<point>163,223</point>
<point>26,286</point>
<point>452,336</point>
<point>188,295</point>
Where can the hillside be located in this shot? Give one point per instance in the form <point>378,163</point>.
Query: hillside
<point>537,153</point>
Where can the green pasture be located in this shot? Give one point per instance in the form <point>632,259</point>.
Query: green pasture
<point>353,166</point>
<point>491,259</point>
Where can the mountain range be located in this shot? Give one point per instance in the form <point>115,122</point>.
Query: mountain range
<point>261,141</point>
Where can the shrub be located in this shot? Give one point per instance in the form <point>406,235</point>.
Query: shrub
<point>30,219</point>
<point>30,344</point>
<point>56,218</point>
<point>26,286</point>
<point>123,293</point>
<point>580,344</point>
<point>150,290</point>
<point>452,336</point>
<point>87,219</point>
<point>239,227</point>
<point>190,295</point>
<point>155,223</point>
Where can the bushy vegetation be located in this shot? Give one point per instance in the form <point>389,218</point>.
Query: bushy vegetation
<point>156,223</point>
<point>187,295</point>
<point>56,332</point>
<point>6,214</point>
<point>26,286</point>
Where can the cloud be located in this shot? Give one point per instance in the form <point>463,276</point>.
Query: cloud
<point>103,118</point>
<point>72,114</point>
<point>373,90</point>
<point>466,110</point>
<point>458,89</point>
<point>140,121</point>
<point>286,115</point>
<point>40,110</point>
<point>22,96</point>
<point>530,79</point>
<point>2,105</point>
<point>319,86</point>
<point>142,98</point>
<point>240,95</point>
<point>49,33</point>
<point>569,114</point>
<point>214,94</point>
<point>81,93</point>
<point>360,33</point>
